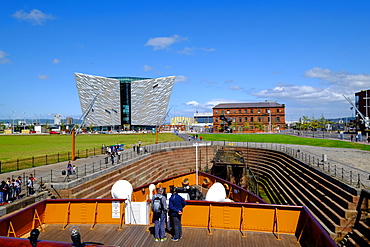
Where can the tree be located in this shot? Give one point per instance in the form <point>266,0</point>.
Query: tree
<point>258,126</point>
<point>314,124</point>
<point>234,125</point>
<point>246,126</point>
<point>2,126</point>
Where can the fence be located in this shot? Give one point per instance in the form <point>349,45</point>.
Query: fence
<point>333,169</point>
<point>35,161</point>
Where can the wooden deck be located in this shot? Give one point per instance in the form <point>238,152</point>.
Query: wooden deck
<point>134,235</point>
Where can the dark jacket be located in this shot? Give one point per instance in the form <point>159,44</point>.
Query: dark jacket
<point>176,204</point>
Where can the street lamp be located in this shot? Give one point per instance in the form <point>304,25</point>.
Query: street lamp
<point>13,123</point>
<point>269,111</point>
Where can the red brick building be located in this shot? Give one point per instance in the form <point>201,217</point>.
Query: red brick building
<point>268,116</point>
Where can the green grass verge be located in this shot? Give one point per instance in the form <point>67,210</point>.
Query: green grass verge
<point>285,139</point>
<point>25,146</point>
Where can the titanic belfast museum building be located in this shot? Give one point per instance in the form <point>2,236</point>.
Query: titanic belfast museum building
<point>123,102</point>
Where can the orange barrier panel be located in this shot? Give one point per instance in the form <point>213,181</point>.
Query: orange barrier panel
<point>243,217</point>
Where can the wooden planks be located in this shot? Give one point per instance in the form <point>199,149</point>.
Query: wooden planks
<point>134,235</point>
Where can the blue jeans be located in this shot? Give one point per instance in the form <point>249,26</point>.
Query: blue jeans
<point>1,197</point>
<point>177,228</point>
<point>159,223</point>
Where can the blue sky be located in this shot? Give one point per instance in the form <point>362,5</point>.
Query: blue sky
<point>304,54</point>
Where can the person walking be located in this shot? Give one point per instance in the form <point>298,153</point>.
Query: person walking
<point>176,205</point>
<point>159,209</point>
<point>112,158</point>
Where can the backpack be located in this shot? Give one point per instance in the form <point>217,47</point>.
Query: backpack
<point>157,206</point>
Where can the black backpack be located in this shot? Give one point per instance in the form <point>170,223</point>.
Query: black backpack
<point>157,205</point>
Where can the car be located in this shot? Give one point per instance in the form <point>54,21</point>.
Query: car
<point>54,132</point>
<point>32,131</point>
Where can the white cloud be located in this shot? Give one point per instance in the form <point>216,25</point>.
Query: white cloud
<point>3,58</point>
<point>43,77</point>
<point>187,51</point>
<point>164,42</point>
<point>181,78</point>
<point>332,86</point>
<point>191,50</point>
<point>35,16</point>
<point>344,79</point>
<point>148,68</point>
<point>56,60</point>
<point>209,49</point>
<point>235,87</point>
<point>192,103</point>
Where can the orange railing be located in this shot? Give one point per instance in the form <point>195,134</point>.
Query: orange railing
<point>243,217</point>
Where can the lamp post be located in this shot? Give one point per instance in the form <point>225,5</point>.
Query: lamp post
<point>24,121</point>
<point>13,123</point>
<point>269,111</point>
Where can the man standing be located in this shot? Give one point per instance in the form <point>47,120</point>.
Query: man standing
<point>159,208</point>
<point>176,205</point>
<point>19,187</point>
<point>30,185</point>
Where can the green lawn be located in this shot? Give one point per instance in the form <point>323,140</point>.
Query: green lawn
<point>24,146</point>
<point>285,139</point>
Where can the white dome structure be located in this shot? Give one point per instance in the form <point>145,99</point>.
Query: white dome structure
<point>122,189</point>
<point>216,193</point>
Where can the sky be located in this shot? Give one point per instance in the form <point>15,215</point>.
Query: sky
<point>304,54</point>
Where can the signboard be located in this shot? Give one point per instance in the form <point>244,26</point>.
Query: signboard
<point>116,210</point>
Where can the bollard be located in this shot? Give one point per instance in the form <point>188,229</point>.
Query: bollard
<point>342,173</point>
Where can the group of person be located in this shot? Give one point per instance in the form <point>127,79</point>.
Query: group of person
<point>71,169</point>
<point>136,148</point>
<point>174,211</point>
<point>113,151</point>
<point>10,190</point>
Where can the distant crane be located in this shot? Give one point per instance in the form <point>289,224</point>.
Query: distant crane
<point>83,117</point>
<point>365,119</point>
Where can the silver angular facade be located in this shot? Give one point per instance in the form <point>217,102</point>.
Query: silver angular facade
<point>149,100</point>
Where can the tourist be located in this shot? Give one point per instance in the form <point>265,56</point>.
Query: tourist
<point>69,168</point>
<point>19,187</point>
<point>176,205</point>
<point>30,184</point>
<point>9,190</point>
<point>159,209</point>
<point>112,158</point>
<point>14,191</point>
<point>3,192</point>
